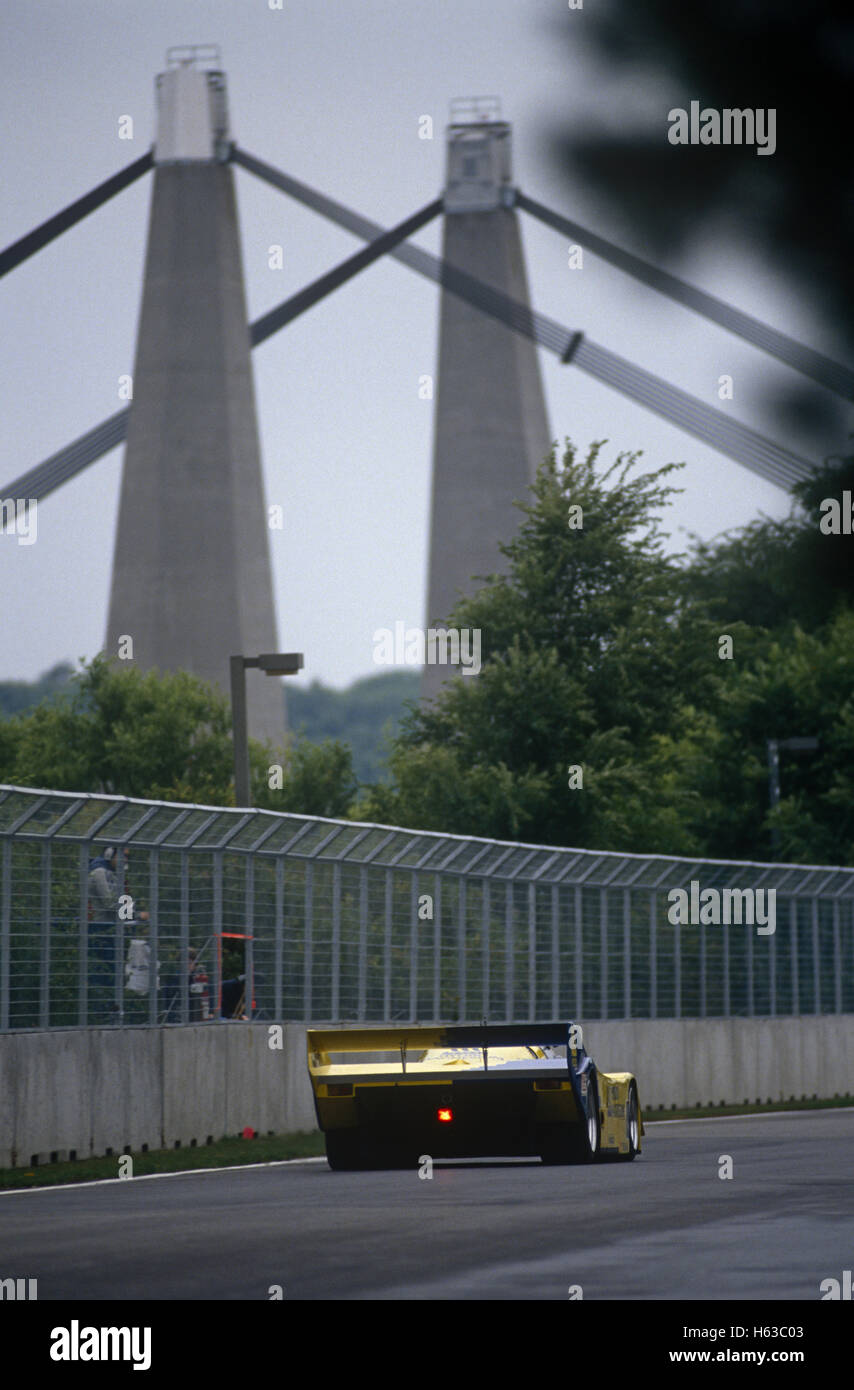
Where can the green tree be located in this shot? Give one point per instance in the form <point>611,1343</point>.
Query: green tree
<point>124,732</point>
<point>16,696</point>
<point>585,657</point>
<point>774,574</point>
<point>317,779</point>
<point>717,766</point>
<point>164,737</point>
<point>364,715</point>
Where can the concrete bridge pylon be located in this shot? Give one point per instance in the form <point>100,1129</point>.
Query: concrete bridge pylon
<point>192,581</point>
<point>491,431</point>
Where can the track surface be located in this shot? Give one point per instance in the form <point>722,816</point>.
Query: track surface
<point>664,1227</point>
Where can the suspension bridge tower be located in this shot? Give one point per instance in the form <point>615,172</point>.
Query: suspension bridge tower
<point>491,432</point>
<point>191,574</point>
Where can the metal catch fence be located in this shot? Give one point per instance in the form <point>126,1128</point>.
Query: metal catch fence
<point>202,913</point>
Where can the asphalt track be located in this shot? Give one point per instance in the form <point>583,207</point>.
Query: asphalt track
<point>664,1227</point>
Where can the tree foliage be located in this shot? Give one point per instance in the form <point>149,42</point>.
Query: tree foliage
<point>660,676</point>
<point>584,660</point>
<point>163,736</point>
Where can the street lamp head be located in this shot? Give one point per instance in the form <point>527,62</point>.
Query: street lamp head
<point>281,663</point>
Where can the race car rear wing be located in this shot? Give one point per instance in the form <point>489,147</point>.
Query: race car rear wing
<point>417,1038</point>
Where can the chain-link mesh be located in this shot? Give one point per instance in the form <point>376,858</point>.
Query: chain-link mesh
<point>115,911</point>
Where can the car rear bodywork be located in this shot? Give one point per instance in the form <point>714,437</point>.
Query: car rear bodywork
<point>386,1097</point>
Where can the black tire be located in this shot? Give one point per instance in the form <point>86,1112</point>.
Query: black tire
<point>633,1124</point>
<point>588,1137</point>
<point>578,1143</point>
<point>344,1150</point>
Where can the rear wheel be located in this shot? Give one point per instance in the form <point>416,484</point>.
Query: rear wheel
<point>589,1139</point>
<point>632,1124</point>
<point>344,1150</point>
<point>578,1143</point>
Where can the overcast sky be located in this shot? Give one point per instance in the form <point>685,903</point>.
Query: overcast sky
<point>330,91</point>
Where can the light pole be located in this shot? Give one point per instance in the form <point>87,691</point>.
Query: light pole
<point>794,745</point>
<point>272,664</point>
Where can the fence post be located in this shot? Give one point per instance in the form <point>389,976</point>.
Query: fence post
<point>677,970</point>
<point>389,919</point>
<point>772,975</point>
<point>750,993</point>
<point>218,927</point>
<point>461,950</point>
<point>437,948</point>
<point>279,940</point>
<point>816,958</point>
<point>363,943</point>
<point>184,937</point>
<point>486,909</point>
<point>579,952</point>
<point>627,952</point>
<point>603,952</point>
<point>509,954</point>
<point>555,1009</point>
<point>118,978</point>
<point>336,940</point>
<point>793,938</point>
<point>83,938</point>
<point>44,972</point>
<point>249,929</point>
<point>153,934</point>
<point>837,959</point>
<point>532,952</point>
<point>413,946</point>
<point>5,934</point>
<point>308,942</point>
<point>653,955</point>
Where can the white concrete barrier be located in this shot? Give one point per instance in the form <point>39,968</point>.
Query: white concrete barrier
<point>89,1091</point>
<point>691,1061</point>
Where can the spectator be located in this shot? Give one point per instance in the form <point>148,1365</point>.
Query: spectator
<point>103,909</point>
<point>104,916</point>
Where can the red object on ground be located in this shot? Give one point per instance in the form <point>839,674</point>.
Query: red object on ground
<point>248,1132</point>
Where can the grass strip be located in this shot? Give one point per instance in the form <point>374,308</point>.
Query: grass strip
<point>221,1154</point>
<point>715,1112</point>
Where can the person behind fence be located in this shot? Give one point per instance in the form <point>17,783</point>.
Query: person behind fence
<point>104,915</point>
<point>103,909</point>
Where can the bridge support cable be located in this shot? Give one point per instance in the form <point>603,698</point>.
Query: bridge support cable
<point>271,322</point>
<point>490,301</point>
<point>65,464</point>
<point>833,375</point>
<point>75,212</point>
<point>771,461</point>
<point>713,427</point>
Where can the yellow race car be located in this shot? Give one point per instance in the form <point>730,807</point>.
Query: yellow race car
<point>386,1097</point>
